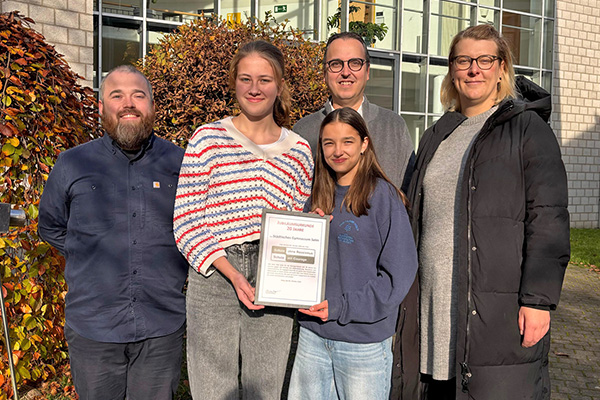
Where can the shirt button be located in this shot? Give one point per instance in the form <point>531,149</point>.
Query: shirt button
<point>93,187</point>
<point>134,242</point>
<point>135,271</point>
<point>133,188</point>
<point>474,248</point>
<point>474,312</point>
<point>134,214</point>
<point>134,299</point>
<point>473,188</point>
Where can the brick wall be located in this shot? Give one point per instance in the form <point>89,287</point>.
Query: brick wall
<point>576,104</point>
<point>68,25</point>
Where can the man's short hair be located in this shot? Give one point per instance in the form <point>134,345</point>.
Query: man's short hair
<point>126,68</point>
<point>346,35</point>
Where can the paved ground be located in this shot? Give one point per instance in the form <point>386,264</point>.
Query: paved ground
<point>575,349</point>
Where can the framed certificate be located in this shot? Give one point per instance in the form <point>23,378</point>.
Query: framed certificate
<point>292,261</point>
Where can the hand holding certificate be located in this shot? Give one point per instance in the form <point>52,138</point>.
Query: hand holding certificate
<point>292,259</point>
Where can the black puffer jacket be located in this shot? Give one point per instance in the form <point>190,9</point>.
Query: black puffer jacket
<point>513,243</point>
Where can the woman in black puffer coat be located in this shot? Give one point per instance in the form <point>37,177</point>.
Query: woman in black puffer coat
<point>489,211</point>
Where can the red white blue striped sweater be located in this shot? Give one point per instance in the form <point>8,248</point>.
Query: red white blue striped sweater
<point>225,182</point>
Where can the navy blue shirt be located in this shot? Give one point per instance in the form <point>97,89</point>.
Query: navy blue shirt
<point>111,216</point>
<point>371,265</point>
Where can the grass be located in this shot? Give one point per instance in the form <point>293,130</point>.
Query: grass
<point>585,247</point>
<point>585,251</point>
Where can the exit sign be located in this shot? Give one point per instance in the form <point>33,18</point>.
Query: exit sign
<point>280,9</point>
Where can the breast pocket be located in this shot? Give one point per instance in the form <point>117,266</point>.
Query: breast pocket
<point>159,203</point>
<point>93,203</point>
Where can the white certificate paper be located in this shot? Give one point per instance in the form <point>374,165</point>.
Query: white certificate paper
<point>292,260</point>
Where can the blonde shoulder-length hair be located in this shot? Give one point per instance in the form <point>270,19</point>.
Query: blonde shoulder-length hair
<point>506,88</point>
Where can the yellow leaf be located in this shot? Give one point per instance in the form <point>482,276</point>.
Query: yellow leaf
<point>25,344</point>
<point>24,372</point>
<point>14,141</point>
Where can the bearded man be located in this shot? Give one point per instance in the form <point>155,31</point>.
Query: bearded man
<point>108,208</point>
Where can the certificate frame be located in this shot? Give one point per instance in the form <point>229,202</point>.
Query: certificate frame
<point>292,259</point>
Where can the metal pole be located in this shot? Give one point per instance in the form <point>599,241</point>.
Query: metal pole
<point>8,346</point>
<point>9,218</point>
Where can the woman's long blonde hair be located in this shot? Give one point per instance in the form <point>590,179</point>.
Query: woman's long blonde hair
<point>369,170</point>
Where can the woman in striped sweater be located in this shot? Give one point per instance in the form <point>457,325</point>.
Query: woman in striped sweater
<point>232,169</point>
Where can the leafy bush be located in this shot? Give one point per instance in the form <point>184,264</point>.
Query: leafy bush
<point>189,72</point>
<point>42,111</point>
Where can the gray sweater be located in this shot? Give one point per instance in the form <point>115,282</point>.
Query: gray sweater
<point>438,274</point>
<point>393,146</point>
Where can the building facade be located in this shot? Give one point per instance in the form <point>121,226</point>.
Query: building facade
<point>556,43</point>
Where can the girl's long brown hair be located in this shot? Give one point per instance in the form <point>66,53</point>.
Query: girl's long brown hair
<point>356,199</point>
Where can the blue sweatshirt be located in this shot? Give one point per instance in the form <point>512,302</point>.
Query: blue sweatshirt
<point>371,264</point>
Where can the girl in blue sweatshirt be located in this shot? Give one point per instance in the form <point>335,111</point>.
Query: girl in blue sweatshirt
<point>345,343</point>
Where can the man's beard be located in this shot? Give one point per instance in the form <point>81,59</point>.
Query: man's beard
<point>129,135</point>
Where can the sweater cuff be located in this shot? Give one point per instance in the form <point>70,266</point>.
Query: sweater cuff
<point>335,308</point>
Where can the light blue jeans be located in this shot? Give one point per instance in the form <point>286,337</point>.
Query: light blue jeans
<point>330,369</point>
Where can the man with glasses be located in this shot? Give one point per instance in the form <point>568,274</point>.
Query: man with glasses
<point>346,67</point>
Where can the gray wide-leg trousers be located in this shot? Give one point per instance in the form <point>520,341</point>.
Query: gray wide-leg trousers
<point>220,330</point>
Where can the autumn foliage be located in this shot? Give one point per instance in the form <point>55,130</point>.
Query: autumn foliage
<point>189,71</point>
<point>42,112</point>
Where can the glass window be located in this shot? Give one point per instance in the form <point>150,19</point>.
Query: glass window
<point>235,11</point>
<point>548,44</point>
<point>123,7</point>
<point>524,36</point>
<point>412,31</point>
<point>413,5</point>
<point>547,81</point>
<point>528,6</point>
<point>179,10</point>
<point>491,3</point>
<point>120,43</point>
<point>488,16</point>
<point>385,16</point>
<point>380,88</point>
<point>157,32</point>
<point>447,19</point>
<point>330,9</point>
<point>530,74</point>
<point>416,127</point>
<point>413,86</point>
<point>436,76</point>
<point>550,7</point>
<point>299,13</point>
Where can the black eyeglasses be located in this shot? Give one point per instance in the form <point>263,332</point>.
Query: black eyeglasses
<point>336,65</point>
<point>484,62</point>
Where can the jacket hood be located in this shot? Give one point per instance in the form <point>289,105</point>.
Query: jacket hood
<point>530,96</point>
